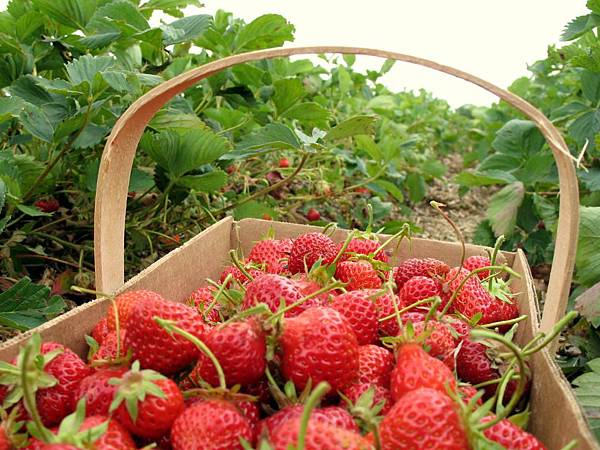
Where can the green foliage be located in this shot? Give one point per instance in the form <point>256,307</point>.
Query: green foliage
<point>588,394</point>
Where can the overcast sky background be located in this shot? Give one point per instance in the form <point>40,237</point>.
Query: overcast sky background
<point>492,39</point>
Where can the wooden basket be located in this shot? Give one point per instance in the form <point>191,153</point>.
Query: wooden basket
<point>556,417</point>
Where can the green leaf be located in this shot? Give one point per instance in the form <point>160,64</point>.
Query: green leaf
<point>288,92</point>
<point>208,182</point>
<point>391,189</point>
<point>36,122</point>
<point>357,125</point>
<point>2,193</point>
<point>28,89</point>
<point>416,187</point>
<point>588,304</point>
<point>387,66</point>
<point>546,209</point>
<point>382,103</point>
<point>308,112</point>
<point>10,107</point>
<point>587,392</point>
<point>503,207</point>
<point>72,13</point>
<point>266,31</point>
<point>585,127</point>
<point>27,305</point>
<point>171,7</point>
<point>483,178</point>
<point>85,68</point>
<point>580,25</point>
<point>172,118</point>
<point>186,29</point>
<point>591,178</point>
<point>118,16</point>
<point>117,80</point>
<point>588,247</point>
<point>139,181</point>
<point>180,153</point>
<point>271,136</point>
<point>91,136</point>
<point>518,137</point>
<point>254,210</point>
<point>590,85</point>
<point>32,211</point>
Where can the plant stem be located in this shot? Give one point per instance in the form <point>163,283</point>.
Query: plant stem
<point>170,327</point>
<point>311,403</point>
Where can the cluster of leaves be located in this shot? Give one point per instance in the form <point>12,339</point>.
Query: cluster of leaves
<point>69,69</point>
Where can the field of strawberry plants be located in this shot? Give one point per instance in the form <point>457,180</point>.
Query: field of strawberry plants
<point>296,140</point>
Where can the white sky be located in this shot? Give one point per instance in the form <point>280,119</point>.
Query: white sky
<point>492,39</point>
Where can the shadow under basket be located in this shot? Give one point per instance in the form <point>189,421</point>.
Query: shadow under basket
<point>556,418</point>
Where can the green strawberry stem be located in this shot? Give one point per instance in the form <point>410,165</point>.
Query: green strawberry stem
<point>403,233</point>
<point>27,366</point>
<point>260,308</point>
<point>326,288</point>
<point>312,401</point>
<point>117,325</point>
<point>472,273</point>
<point>505,322</point>
<point>493,257</point>
<point>390,288</point>
<point>504,412</point>
<point>98,294</point>
<point>170,327</point>
<point>571,445</point>
<point>340,253</point>
<point>408,308</point>
<point>529,349</point>
<point>236,262</point>
<point>432,309</point>
<point>438,207</point>
<point>220,291</point>
<point>224,291</point>
<point>329,229</point>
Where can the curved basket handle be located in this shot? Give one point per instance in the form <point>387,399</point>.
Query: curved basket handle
<point>119,152</point>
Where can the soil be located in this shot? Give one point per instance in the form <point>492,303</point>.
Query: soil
<point>466,211</point>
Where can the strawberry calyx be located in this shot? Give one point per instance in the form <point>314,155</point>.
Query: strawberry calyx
<point>28,372</point>
<point>133,387</point>
<point>367,413</point>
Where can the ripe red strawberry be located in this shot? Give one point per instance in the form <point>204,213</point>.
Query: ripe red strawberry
<point>385,308</point>
<point>423,418</point>
<point>375,365</point>
<point>115,438</point>
<point>56,402</point>
<point>240,349</point>
<point>363,246</point>
<point>354,391</point>
<point>211,424</point>
<point>476,262</point>
<point>467,392</point>
<point>312,214</point>
<point>473,298</point>
<point>108,349</point>
<point>319,436</point>
<point>272,289</point>
<point>249,410</point>
<point>307,249</point>
<point>97,391</point>
<point>360,311</point>
<point>418,288</point>
<point>124,303</point>
<point>414,267</point>
<point>147,403</point>
<point>440,340</point>
<point>154,347</point>
<point>48,205</point>
<point>319,345</point>
<point>416,369</point>
<point>202,299</point>
<point>273,253</point>
<point>332,415</point>
<point>461,329</point>
<point>511,436</point>
<point>100,330</point>
<point>307,286</point>
<point>284,163</point>
<point>5,443</point>
<point>358,275</point>
<point>55,447</point>
<point>238,275</point>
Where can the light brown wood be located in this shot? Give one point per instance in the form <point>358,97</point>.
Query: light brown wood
<point>117,160</point>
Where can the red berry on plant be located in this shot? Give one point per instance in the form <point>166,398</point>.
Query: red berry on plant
<point>312,215</point>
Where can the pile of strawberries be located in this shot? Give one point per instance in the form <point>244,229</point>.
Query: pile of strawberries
<point>305,344</point>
